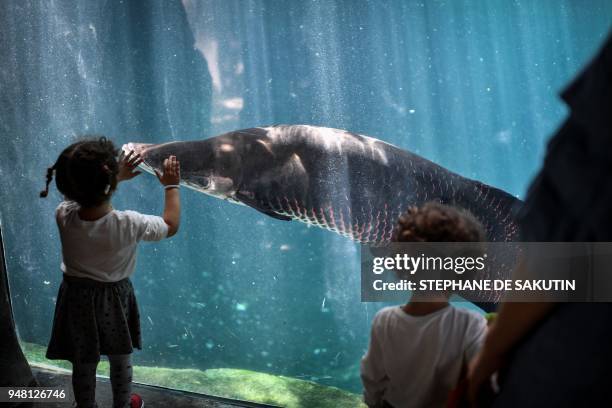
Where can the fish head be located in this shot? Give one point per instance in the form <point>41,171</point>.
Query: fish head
<point>210,166</point>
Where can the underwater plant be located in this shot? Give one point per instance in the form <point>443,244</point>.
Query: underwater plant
<point>231,383</point>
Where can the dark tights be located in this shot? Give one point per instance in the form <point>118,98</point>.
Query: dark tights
<point>84,381</point>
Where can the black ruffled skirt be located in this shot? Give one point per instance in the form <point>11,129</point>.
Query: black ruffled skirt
<point>94,318</point>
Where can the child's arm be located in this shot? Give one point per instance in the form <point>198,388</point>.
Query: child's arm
<point>170,180</point>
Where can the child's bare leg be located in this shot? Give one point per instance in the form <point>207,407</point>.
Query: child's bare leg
<point>84,384</point>
<point>121,379</point>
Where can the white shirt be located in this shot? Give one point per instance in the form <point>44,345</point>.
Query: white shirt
<point>104,249</point>
<point>415,361</point>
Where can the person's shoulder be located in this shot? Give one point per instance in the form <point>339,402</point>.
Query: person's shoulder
<point>128,213</point>
<point>464,311</point>
<point>467,313</point>
<point>385,313</point>
<point>65,208</point>
<point>126,216</point>
<point>67,205</point>
<point>135,218</point>
<point>131,214</point>
<point>469,317</point>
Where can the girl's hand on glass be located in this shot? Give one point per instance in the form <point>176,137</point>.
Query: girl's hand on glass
<point>172,172</point>
<point>127,164</point>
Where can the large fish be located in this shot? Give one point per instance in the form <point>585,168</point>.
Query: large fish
<point>354,185</point>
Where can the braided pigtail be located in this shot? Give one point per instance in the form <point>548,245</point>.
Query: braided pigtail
<point>50,172</point>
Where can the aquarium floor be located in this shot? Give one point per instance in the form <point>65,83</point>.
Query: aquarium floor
<point>153,397</point>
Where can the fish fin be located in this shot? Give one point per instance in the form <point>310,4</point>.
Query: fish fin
<point>275,215</point>
<point>251,202</point>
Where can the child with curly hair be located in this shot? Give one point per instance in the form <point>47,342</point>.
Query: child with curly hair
<point>96,311</point>
<point>419,351</point>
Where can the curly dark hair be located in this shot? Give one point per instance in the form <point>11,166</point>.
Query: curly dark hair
<point>435,222</point>
<point>86,171</point>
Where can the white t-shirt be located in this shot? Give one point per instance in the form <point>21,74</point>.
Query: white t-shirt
<point>415,361</point>
<point>104,249</point>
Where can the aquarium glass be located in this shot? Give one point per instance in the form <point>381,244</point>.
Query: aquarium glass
<point>239,304</point>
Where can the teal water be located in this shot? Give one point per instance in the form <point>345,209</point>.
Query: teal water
<point>470,85</point>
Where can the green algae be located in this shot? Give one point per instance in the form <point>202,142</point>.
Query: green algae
<point>225,382</point>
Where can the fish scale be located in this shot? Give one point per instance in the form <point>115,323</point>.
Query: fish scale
<point>376,231</point>
<point>369,228</point>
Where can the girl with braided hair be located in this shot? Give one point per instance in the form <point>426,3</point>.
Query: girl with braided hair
<point>96,311</point>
